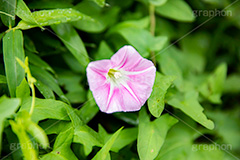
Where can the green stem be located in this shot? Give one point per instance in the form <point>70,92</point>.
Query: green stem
<point>33,98</point>
<point>152,28</point>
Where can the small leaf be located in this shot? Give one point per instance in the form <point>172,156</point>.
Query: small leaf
<point>12,48</point>
<point>24,13</point>
<point>46,108</point>
<point>213,87</point>
<point>62,147</point>
<point>103,153</point>
<point>177,10</point>
<point>7,108</point>
<point>122,140</point>
<point>9,7</point>
<point>50,17</point>
<point>72,41</point>
<point>87,137</point>
<point>23,90</point>
<point>151,135</point>
<point>156,101</point>
<point>189,105</point>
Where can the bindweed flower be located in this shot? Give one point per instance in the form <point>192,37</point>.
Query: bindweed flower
<point>123,83</point>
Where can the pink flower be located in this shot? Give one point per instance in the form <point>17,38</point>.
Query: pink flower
<point>123,83</point>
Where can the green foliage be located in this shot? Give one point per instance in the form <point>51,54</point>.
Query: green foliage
<point>156,101</point>
<point>7,108</point>
<point>8,7</point>
<point>12,48</point>
<point>48,112</point>
<point>151,135</point>
<point>177,10</point>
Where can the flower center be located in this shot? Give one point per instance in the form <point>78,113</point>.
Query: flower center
<point>114,74</point>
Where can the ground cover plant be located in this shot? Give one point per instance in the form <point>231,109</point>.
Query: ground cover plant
<point>168,72</point>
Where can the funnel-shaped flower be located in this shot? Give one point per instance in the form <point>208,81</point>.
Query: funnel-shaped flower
<point>123,83</point>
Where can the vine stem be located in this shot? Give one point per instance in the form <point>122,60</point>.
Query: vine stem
<point>152,28</point>
<point>33,98</point>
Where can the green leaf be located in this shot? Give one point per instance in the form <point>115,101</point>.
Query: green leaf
<point>23,90</point>
<point>151,135</point>
<point>101,3</point>
<point>71,82</point>
<point>157,2</point>
<point>102,18</point>
<point>3,79</point>
<point>87,137</point>
<point>72,41</point>
<point>53,126</point>
<point>46,108</point>
<point>103,153</point>
<point>232,84</point>
<point>8,7</point>
<point>104,51</point>
<point>45,90</point>
<point>141,39</point>
<point>227,127</point>
<point>7,108</point>
<point>156,101</point>
<point>180,145</point>
<point>48,80</point>
<point>189,105</point>
<point>32,128</point>
<point>169,66</point>
<point>50,17</point>
<point>76,121</point>
<point>213,86</point>
<point>29,152</point>
<point>122,140</point>
<point>24,13</point>
<point>177,10</point>
<point>89,109</point>
<point>12,49</point>
<point>61,148</point>
<point>37,61</point>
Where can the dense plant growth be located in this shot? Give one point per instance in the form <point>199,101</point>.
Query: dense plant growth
<point>48,112</point>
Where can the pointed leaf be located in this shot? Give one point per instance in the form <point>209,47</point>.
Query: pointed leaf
<point>7,108</point>
<point>50,17</point>
<point>12,49</point>
<point>9,7</point>
<point>177,10</point>
<point>156,101</point>
<point>72,41</point>
<point>103,153</point>
<point>189,105</point>
<point>151,135</point>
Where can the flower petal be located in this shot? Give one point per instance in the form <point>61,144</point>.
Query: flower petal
<point>96,73</point>
<point>126,58</point>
